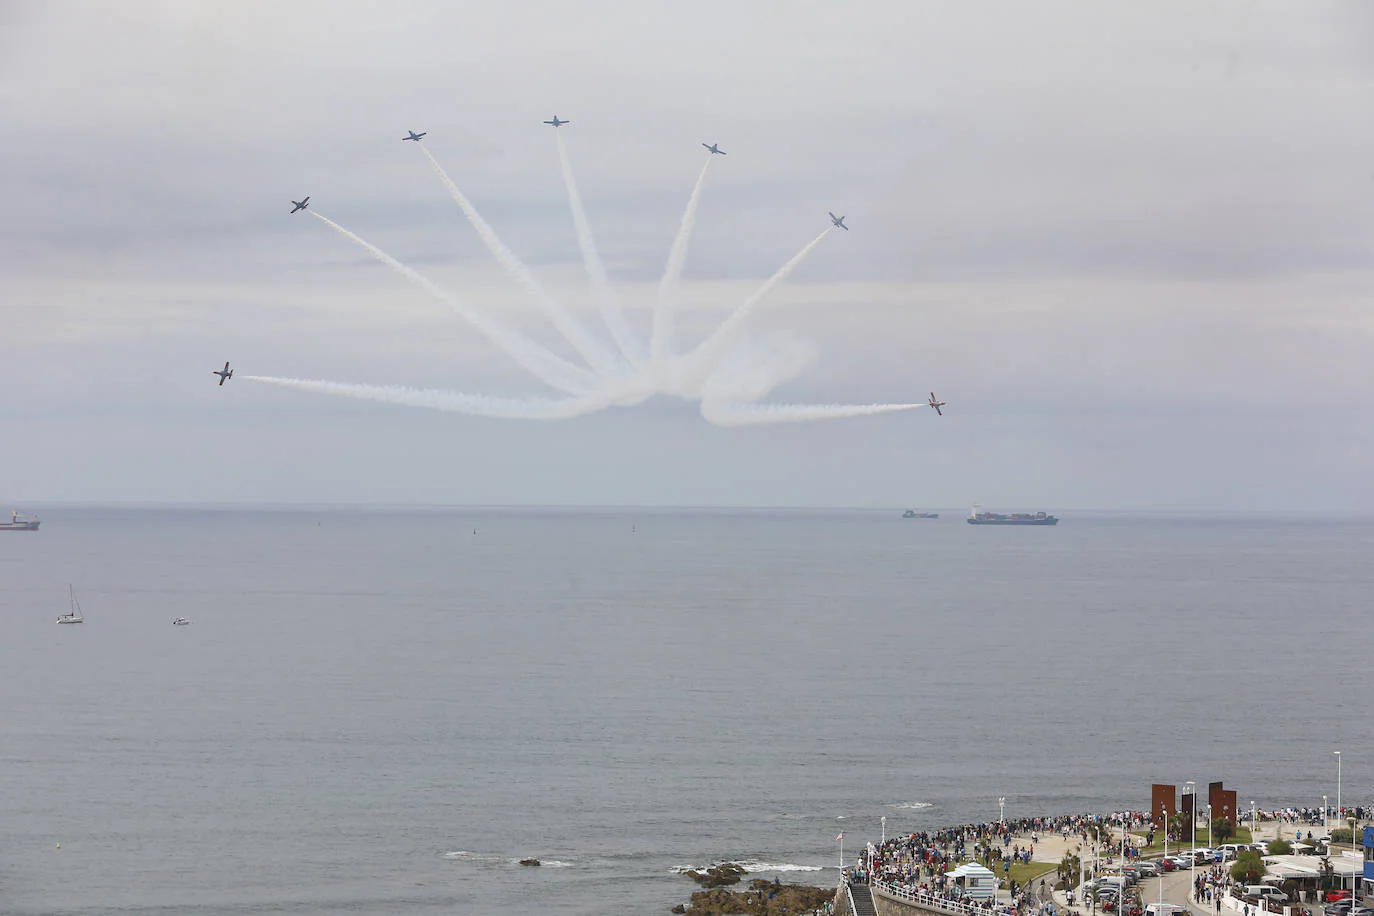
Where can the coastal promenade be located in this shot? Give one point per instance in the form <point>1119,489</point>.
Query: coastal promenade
<point>1047,849</point>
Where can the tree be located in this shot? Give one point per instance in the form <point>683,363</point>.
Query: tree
<point>1068,870</point>
<point>1223,829</point>
<point>1340,836</point>
<point>1248,867</point>
<point>1179,827</point>
<point>1280,847</point>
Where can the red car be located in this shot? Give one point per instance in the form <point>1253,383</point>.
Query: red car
<point>1338,894</point>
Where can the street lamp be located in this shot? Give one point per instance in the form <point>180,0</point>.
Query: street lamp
<point>1352,847</point>
<point>1253,839</point>
<point>1209,825</point>
<point>1338,783</point>
<point>1001,808</point>
<point>1324,830</point>
<point>884,820</point>
<point>1121,891</point>
<point>1083,880</point>
<point>1192,815</point>
<point>1164,815</point>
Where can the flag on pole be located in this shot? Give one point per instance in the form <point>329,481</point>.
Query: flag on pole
<point>840,837</point>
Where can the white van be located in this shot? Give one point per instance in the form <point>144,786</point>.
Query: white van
<point>1164,909</point>
<point>1266,890</point>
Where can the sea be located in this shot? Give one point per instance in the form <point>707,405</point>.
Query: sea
<point>382,710</point>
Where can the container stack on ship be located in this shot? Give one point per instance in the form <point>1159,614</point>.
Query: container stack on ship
<point>978,517</point>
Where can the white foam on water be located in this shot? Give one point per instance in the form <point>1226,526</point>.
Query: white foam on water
<point>750,867</point>
<point>768,866</point>
<point>912,806</point>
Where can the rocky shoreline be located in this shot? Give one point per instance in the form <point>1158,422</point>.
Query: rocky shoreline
<point>761,898</point>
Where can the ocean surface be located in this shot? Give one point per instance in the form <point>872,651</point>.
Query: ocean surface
<point>381,711</point>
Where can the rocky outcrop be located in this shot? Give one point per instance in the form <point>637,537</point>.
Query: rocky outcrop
<point>530,862</point>
<point>718,875</point>
<point>763,898</point>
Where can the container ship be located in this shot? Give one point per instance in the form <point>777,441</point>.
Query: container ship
<point>912,513</point>
<point>19,522</point>
<point>978,517</point>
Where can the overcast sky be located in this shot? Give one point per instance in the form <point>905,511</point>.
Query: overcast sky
<point>1130,244</point>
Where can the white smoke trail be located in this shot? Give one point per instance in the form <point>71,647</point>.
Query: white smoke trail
<point>751,372</point>
<point>724,413</point>
<point>703,358</point>
<point>661,337</point>
<point>611,314</point>
<point>478,405</point>
<point>587,346</point>
<point>548,367</point>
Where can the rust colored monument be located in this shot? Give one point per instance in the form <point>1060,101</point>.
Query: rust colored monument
<point>1223,802</point>
<point>1163,804</point>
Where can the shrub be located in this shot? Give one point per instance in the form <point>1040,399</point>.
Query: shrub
<point>1280,847</point>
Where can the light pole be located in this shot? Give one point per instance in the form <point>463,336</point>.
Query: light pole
<point>1192,816</point>
<point>1001,809</point>
<point>1324,830</point>
<point>1353,879</point>
<point>1164,816</point>
<point>1253,838</point>
<point>1339,813</point>
<point>1082,881</point>
<point>884,820</point>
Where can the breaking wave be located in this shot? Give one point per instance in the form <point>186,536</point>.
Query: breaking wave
<point>751,867</point>
<point>913,806</point>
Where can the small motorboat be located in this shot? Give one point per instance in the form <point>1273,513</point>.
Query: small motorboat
<point>74,615</point>
<point>179,621</point>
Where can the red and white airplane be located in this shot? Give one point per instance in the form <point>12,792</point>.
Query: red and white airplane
<point>936,404</point>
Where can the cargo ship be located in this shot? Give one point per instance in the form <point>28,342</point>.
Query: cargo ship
<point>977,517</point>
<point>19,522</point>
<point>912,513</point>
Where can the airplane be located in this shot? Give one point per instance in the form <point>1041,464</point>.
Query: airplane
<point>715,151</point>
<point>414,136</point>
<point>937,405</point>
<point>838,221</point>
<point>301,204</point>
<point>557,123</point>
<point>224,374</point>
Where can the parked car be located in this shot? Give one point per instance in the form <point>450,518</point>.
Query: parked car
<point>1340,893</point>
<point>1147,869</point>
<point>1167,863</point>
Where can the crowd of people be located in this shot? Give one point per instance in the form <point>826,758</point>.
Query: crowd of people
<point>919,863</point>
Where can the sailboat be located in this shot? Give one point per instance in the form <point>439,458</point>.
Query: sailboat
<point>74,615</point>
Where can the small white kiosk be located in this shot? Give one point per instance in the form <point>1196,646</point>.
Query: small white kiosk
<point>974,882</point>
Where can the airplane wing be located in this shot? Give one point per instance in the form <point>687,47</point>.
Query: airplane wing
<point>939,412</point>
